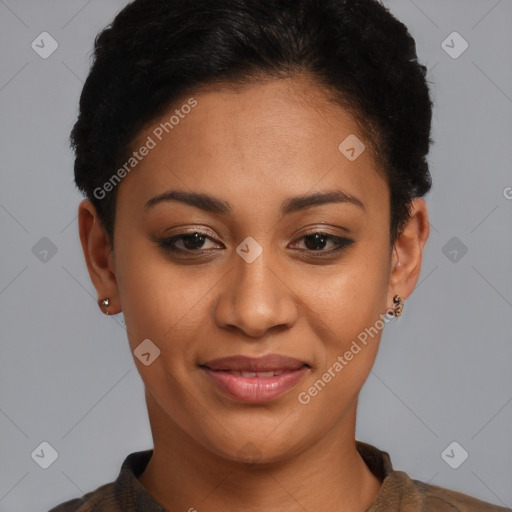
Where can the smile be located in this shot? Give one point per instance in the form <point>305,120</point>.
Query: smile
<point>255,379</point>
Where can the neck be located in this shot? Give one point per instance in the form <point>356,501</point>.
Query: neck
<point>184,475</point>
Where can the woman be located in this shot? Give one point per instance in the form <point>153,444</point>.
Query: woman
<point>254,174</point>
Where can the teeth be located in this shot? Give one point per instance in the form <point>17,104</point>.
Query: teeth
<point>255,374</point>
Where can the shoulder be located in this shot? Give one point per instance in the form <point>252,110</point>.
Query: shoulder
<point>440,499</point>
<point>401,493</point>
<point>416,496</point>
<point>125,494</point>
<point>104,496</point>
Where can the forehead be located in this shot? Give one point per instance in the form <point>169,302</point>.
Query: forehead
<point>276,137</point>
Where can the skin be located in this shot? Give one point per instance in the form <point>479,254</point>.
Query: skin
<point>254,147</point>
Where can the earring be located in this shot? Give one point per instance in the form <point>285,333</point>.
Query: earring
<point>105,303</point>
<point>398,305</point>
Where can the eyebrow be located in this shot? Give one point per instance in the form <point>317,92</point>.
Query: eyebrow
<point>213,204</point>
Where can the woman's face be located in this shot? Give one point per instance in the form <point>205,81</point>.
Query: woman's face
<point>257,281</point>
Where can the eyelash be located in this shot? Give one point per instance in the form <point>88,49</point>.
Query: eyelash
<point>343,243</point>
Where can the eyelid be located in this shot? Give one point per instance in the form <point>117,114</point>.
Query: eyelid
<point>203,230</point>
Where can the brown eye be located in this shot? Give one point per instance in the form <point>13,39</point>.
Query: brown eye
<point>190,242</point>
<point>316,242</point>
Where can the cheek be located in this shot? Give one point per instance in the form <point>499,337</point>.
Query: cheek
<point>349,324</point>
<point>352,295</point>
<point>162,303</point>
<point>161,300</point>
<point>347,315</point>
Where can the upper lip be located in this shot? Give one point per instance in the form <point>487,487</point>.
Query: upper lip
<point>266,363</point>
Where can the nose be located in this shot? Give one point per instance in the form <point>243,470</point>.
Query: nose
<point>256,298</point>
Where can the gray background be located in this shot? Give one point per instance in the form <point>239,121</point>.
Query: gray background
<point>443,372</point>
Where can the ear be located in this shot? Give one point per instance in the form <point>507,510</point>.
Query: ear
<point>408,251</point>
<point>99,256</point>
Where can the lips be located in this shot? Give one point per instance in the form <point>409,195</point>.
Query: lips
<point>275,363</point>
<point>255,380</point>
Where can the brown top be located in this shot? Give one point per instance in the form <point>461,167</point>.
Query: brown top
<point>398,492</point>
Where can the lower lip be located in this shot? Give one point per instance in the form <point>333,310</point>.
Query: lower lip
<point>256,389</point>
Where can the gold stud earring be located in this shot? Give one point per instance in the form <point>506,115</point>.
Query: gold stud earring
<point>104,303</point>
<point>398,305</point>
